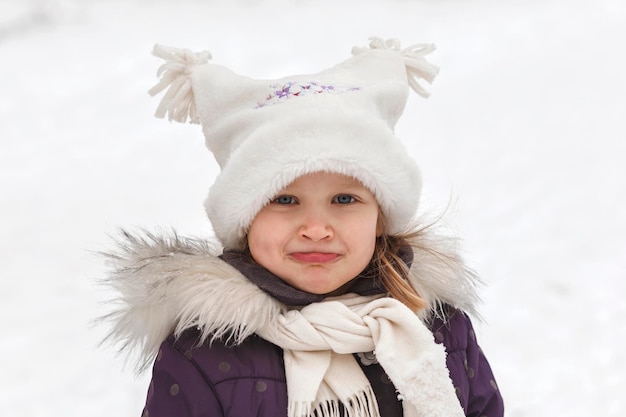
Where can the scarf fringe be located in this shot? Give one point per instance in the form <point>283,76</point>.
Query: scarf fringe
<point>362,404</point>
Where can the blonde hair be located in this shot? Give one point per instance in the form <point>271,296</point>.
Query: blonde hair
<point>393,272</point>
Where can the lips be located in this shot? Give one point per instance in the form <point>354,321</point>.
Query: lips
<point>314,257</point>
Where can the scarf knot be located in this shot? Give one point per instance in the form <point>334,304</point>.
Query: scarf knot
<point>318,342</point>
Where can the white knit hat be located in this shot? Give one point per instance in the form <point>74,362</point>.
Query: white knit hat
<point>266,133</point>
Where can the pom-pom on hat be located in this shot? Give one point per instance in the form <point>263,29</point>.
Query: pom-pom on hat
<point>264,134</point>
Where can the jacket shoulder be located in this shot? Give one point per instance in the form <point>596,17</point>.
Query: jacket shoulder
<point>194,379</point>
<point>453,328</point>
<point>221,361</point>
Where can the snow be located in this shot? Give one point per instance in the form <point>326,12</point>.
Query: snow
<point>521,144</point>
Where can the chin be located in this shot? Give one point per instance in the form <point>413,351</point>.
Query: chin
<point>328,289</point>
<point>319,290</point>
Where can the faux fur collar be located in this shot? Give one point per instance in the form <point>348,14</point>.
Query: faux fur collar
<point>167,284</point>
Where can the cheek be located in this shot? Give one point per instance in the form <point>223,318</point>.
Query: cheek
<point>264,235</point>
<point>372,225</point>
<point>363,233</point>
<point>256,232</point>
<point>257,246</point>
<point>380,226</point>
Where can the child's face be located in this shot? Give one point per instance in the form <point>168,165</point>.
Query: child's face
<point>318,233</point>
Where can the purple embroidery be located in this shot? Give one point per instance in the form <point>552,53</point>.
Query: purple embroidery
<point>282,92</point>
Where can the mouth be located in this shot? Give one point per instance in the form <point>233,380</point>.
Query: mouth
<point>314,257</point>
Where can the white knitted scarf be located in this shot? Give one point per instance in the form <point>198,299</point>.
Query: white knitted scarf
<point>318,342</point>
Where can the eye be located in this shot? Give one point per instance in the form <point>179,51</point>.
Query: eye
<point>284,200</point>
<point>344,199</point>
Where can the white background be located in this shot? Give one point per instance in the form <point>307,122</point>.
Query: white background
<point>521,144</point>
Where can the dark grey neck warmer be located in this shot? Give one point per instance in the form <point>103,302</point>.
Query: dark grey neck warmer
<point>366,283</point>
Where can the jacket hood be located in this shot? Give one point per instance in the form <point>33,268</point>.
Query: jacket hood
<point>165,284</point>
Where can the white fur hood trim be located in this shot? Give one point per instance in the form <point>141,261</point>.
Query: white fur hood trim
<point>167,284</point>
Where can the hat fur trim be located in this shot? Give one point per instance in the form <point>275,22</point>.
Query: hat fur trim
<point>278,153</point>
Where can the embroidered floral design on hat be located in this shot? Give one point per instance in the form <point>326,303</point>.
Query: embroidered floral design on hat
<point>291,89</point>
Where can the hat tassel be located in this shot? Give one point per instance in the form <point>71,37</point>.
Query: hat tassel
<point>178,103</point>
<point>416,65</point>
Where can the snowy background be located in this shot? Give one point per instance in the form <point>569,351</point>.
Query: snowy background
<point>523,137</point>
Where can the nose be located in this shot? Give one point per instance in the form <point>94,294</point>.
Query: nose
<point>316,227</point>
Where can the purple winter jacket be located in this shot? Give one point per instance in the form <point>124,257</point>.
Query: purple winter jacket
<point>249,379</point>
<point>170,284</point>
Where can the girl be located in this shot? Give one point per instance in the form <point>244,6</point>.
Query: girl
<point>321,298</point>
